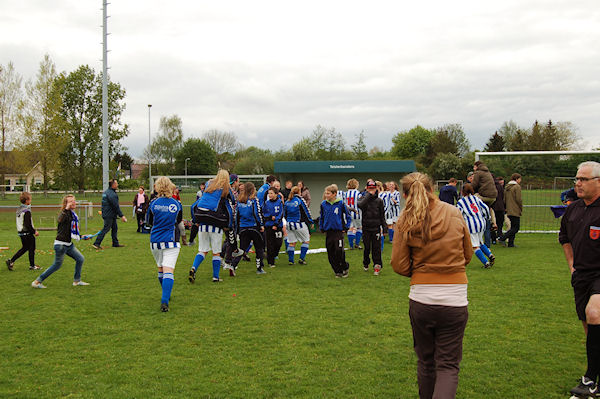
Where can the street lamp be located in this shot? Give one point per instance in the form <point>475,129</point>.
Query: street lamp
<point>149,152</point>
<point>187,159</point>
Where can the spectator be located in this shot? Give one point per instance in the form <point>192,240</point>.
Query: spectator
<point>304,193</point>
<point>140,206</point>
<point>498,208</point>
<point>448,193</point>
<point>110,211</point>
<point>514,209</point>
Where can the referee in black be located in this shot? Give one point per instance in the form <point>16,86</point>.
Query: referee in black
<point>580,238</point>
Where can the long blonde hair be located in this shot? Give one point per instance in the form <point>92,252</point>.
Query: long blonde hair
<point>220,182</point>
<point>164,187</point>
<point>65,200</point>
<point>248,193</point>
<point>416,216</point>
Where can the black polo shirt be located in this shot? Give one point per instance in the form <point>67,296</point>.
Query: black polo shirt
<point>580,226</point>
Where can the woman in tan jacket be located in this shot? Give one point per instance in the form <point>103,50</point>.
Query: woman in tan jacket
<point>432,247</point>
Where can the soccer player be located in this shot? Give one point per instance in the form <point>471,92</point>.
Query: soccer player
<point>214,215</point>
<point>66,231</point>
<point>164,215</point>
<point>476,214</point>
<point>334,221</point>
<point>580,238</point>
<point>26,232</point>
<point>386,197</point>
<point>448,193</point>
<point>298,219</point>
<point>351,197</point>
<point>273,215</point>
<point>374,226</point>
<point>396,206</point>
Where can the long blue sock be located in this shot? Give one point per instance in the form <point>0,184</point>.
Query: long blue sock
<point>481,256</point>
<point>382,241</point>
<point>290,252</point>
<point>391,232</point>
<point>486,250</point>
<point>160,278</point>
<point>303,250</point>
<point>167,286</point>
<point>358,237</point>
<point>197,260</point>
<point>351,239</point>
<point>286,244</point>
<point>216,266</point>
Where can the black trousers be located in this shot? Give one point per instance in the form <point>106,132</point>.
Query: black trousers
<point>274,240</point>
<point>27,245</point>
<point>141,217</point>
<point>334,241</point>
<point>109,224</point>
<point>193,232</point>
<point>372,243</point>
<point>499,223</point>
<point>515,225</point>
<point>254,236</point>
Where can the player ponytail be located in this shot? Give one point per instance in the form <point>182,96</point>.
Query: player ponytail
<point>416,217</point>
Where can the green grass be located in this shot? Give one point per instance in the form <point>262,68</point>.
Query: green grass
<point>294,332</point>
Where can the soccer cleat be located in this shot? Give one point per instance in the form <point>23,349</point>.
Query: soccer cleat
<point>487,265</point>
<point>358,246</point>
<point>345,273</point>
<point>260,271</point>
<point>76,283</point>
<point>192,276</point>
<point>232,272</point>
<point>376,270</point>
<point>226,266</point>
<point>492,260</point>
<point>164,307</point>
<point>302,261</point>
<point>37,284</point>
<point>10,265</point>
<point>586,388</point>
<point>366,268</point>
<point>338,275</point>
<point>237,252</point>
<point>34,267</point>
<point>217,280</point>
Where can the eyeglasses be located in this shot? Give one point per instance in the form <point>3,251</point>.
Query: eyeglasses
<point>584,179</point>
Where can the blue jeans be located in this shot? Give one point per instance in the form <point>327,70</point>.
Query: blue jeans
<point>109,224</point>
<point>59,255</point>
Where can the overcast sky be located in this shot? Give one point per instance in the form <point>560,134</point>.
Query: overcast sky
<point>270,71</point>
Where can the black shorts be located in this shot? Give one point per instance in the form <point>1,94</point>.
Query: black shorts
<point>584,286</point>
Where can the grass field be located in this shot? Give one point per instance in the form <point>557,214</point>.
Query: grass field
<point>296,332</point>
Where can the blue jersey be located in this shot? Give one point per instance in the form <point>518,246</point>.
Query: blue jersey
<point>296,213</point>
<point>164,216</point>
<point>334,216</point>
<point>351,198</point>
<point>249,214</point>
<point>475,213</point>
<point>273,209</point>
<point>261,194</point>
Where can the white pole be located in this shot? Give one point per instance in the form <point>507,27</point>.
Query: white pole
<point>104,97</point>
<point>149,153</point>
<point>187,159</point>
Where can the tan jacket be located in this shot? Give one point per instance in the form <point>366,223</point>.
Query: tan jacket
<point>512,199</point>
<point>443,259</point>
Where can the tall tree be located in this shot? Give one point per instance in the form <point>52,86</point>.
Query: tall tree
<point>447,139</point>
<point>168,141</point>
<point>81,90</point>
<point>41,119</point>
<point>254,161</point>
<point>495,143</point>
<point>412,143</point>
<point>222,142</point>
<point>203,160</point>
<point>359,148</point>
<point>10,94</point>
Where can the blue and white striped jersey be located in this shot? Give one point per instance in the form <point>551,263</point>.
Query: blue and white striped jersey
<point>296,213</point>
<point>396,207</point>
<point>475,213</point>
<point>351,198</point>
<point>387,202</point>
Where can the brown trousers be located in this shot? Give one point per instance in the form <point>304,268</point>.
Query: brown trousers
<point>438,333</point>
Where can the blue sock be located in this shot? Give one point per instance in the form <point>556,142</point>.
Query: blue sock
<point>167,286</point>
<point>197,260</point>
<point>382,241</point>
<point>249,248</point>
<point>486,250</point>
<point>358,237</point>
<point>290,252</point>
<point>160,278</point>
<point>303,250</point>
<point>481,256</point>
<point>286,244</point>
<point>216,266</point>
<point>351,238</point>
<point>391,232</point>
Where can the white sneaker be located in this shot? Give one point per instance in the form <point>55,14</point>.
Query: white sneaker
<point>37,284</point>
<point>227,266</point>
<point>376,269</point>
<point>76,283</point>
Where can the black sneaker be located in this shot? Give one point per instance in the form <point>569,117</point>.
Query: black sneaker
<point>302,261</point>
<point>245,258</point>
<point>217,280</point>
<point>487,265</point>
<point>586,388</point>
<point>345,273</point>
<point>10,265</point>
<point>192,276</point>
<point>358,247</point>
<point>164,307</point>
<point>492,260</point>
<point>339,275</point>
<point>501,240</point>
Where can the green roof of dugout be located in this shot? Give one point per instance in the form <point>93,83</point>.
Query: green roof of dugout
<point>345,167</point>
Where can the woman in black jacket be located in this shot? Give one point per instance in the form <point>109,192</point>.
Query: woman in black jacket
<point>68,228</point>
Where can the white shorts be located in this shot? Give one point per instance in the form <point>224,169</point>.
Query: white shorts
<point>476,239</point>
<point>389,221</point>
<point>356,223</point>
<point>300,235</point>
<point>210,242</point>
<point>166,257</point>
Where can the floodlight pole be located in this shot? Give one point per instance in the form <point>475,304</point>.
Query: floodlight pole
<point>149,152</point>
<point>187,159</point>
<point>104,96</point>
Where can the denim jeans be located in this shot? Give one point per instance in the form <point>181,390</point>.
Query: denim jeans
<point>109,224</point>
<point>59,255</point>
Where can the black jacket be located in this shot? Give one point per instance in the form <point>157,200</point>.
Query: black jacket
<point>110,205</point>
<point>373,215</point>
<point>63,231</point>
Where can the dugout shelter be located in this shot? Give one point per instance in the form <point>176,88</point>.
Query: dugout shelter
<point>317,175</point>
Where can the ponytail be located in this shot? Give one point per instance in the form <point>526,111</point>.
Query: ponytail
<point>416,216</point>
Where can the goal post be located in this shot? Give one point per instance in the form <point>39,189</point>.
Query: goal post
<point>189,183</point>
<point>545,175</point>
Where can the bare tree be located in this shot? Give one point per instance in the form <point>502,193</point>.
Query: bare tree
<point>222,142</point>
<point>10,95</point>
